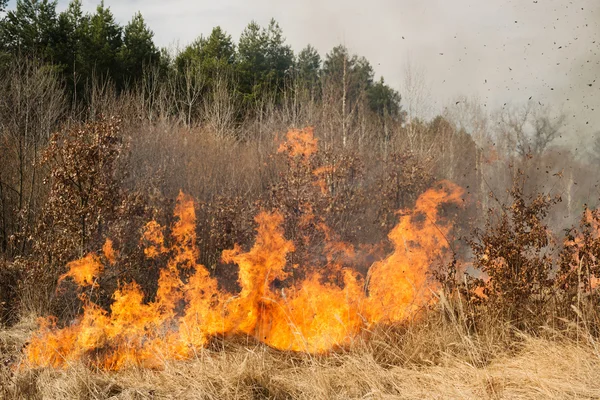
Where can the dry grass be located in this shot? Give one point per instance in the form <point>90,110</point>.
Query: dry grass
<point>431,359</point>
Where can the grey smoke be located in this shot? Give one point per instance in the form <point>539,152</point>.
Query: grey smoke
<point>500,51</point>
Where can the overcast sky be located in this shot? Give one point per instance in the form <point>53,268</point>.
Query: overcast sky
<point>548,49</point>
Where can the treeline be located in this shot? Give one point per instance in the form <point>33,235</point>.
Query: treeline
<point>86,49</point>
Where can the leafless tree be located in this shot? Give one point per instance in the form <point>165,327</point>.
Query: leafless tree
<point>186,87</point>
<point>31,103</point>
<point>530,129</point>
<point>220,106</point>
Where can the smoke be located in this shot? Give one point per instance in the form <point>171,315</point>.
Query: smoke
<point>575,55</point>
<point>499,51</point>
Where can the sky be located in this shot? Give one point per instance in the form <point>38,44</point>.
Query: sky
<point>500,51</point>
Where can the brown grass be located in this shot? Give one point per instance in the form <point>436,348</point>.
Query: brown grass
<point>433,358</point>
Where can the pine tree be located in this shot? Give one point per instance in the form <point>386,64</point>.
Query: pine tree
<point>384,100</point>
<point>357,72</point>
<point>211,54</point>
<point>30,28</point>
<point>138,48</point>
<point>308,65</point>
<point>102,44</point>
<point>263,60</point>
<point>70,54</point>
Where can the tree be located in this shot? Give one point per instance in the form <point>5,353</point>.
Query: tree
<point>212,55</point>
<point>347,79</point>
<point>454,149</point>
<point>514,250</point>
<point>187,82</point>
<point>102,44</point>
<point>202,70</point>
<point>384,100</point>
<point>354,72</point>
<point>530,130</point>
<point>385,103</point>
<point>30,28</point>
<point>280,57</point>
<point>31,107</point>
<point>84,195</point>
<point>3,4</point>
<point>71,30</point>
<point>252,62</point>
<point>263,60</point>
<point>308,66</point>
<point>138,48</point>
<point>218,47</point>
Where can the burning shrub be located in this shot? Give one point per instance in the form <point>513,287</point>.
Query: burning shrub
<point>223,222</point>
<point>318,310</point>
<point>84,190</point>
<point>404,179</point>
<point>85,202</point>
<point>315,189</point>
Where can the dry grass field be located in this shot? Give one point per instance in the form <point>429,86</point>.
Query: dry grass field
<point>432,359</point>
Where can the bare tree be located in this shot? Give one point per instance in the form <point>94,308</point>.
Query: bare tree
<point>151,94</point>
<point>468,114</point>
<point>300,103</point>
<point>416,96</point>
<point>416,92</point>
<point>187,87</point>
<point>31,103</point>
<point>342,111</point>
<point>220,106</point>
<point>530,130</point>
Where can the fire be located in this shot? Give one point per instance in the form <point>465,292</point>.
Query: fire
<point>398,285</point>
<point>299,143</point>
<point>109,252</point>
<point>316,314</point>
<point>84,271</point>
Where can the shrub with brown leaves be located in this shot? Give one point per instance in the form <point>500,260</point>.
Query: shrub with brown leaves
<point>514,252</point>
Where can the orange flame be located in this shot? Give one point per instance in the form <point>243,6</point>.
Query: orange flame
<point>299,143</point>
<point>317,314</point>
<point>109,252</point>
<point>84,271</point>
<point>398,285</point>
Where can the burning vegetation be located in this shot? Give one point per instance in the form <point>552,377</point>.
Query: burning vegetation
<point>300,307</point>
<point>328,266</point>
<point>292,277</point>
<point>167,231</point>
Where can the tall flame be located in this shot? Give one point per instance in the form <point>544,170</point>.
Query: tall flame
<point>316,314</point>
<point>398,285</point>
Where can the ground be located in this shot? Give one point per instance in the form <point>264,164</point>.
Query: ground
<point>413,363</point>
